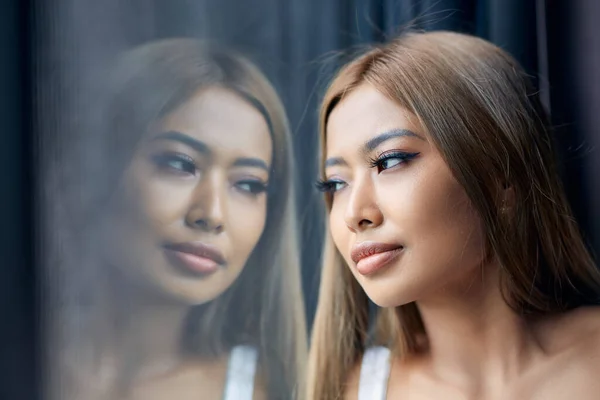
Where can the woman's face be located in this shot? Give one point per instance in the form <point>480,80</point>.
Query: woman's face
<point>192,204</point>
<point>403,224</point>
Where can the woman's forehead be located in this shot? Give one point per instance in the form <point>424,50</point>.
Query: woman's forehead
<point>366,112</point>
<point>223,121</point>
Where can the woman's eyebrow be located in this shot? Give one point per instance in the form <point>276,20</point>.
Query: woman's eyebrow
<point>375,142</point>
<point>175,136</point>
<point>334,161</point>
<point>251,162</point>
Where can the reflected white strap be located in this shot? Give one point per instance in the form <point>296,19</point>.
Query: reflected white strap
<point>374,374</point>
<point>240,373</point>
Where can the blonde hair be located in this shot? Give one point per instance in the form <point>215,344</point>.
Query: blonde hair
<point>479,110</point>
<point>264,307</point>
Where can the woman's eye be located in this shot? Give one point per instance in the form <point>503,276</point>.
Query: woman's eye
<point>391,160</point>
<point>175,163</point>
<point>251,186</point>
<point>330,186</point>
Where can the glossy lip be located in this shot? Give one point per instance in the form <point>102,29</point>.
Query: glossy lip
<point>195,258</point>
<point>370,257</point>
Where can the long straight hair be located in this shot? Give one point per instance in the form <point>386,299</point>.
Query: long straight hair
<point>480,111</point>
<point>264,306</point>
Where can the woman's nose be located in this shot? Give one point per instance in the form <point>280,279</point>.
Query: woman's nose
<point>362,211</point>
<point>207,210</point>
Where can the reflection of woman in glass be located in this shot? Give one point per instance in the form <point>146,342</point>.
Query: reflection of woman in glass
<point>446,210</point>
<point>195,288</point>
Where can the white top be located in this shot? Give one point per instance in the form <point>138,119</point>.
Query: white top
<point>240,373</point>
<point>374,374</point>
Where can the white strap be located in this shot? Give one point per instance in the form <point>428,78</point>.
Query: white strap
<point>374,374</point>
<point>240,373</point>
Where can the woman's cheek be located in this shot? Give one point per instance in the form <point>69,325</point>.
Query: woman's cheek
<point>159,200</point>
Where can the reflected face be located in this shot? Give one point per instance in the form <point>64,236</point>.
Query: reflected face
<point>399,218</point>
<point>192,204</point>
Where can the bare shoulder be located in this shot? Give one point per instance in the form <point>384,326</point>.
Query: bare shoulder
<point>585,328</point>
<point>192,377</point>
<point>576,332</point>
<point>587,317</point>
<point>572,342</point>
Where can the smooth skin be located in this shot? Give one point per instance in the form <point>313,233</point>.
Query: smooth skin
<point>391,185</point>
<point>198,175</point>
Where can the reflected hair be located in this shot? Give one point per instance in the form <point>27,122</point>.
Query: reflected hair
<point>264,306</point>
<point>481,112</point>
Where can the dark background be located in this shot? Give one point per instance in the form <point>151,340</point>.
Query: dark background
<point>51,51</point>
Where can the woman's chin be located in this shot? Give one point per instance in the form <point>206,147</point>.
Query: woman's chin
<point>191,297</point>
<point>389,297</point>
<point>386,301</point>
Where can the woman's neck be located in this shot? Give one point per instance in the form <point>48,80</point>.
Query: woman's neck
<point>474,337</point>
<point>147,333</point>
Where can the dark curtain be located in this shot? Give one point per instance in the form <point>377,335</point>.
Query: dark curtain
<point>300,43</point>
<point>51,51</point>
<point>19,375</point>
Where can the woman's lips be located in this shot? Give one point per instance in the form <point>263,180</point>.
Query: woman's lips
<point>196,257</point>
<point>371,257</point>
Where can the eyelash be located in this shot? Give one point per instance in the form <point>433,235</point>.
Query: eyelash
<point>256,187</point>
<point>330,186</point>
<point>403,156</point>
<point>187,164</point>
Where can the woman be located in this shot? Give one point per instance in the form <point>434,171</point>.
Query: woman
<point>183,254</point>
<point>446,210</point>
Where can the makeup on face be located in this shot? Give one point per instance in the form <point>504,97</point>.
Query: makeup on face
<point>196,197</point>
<point>183,156</point>
<point>373,157</point>
<point>398,217</point>
<point>197,258</point>
<point>371,257</point>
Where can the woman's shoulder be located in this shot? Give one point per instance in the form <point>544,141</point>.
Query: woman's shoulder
<point>585,330</point>
<point>230,375</point>
<point>574,331</point>
<point>572,343</point>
